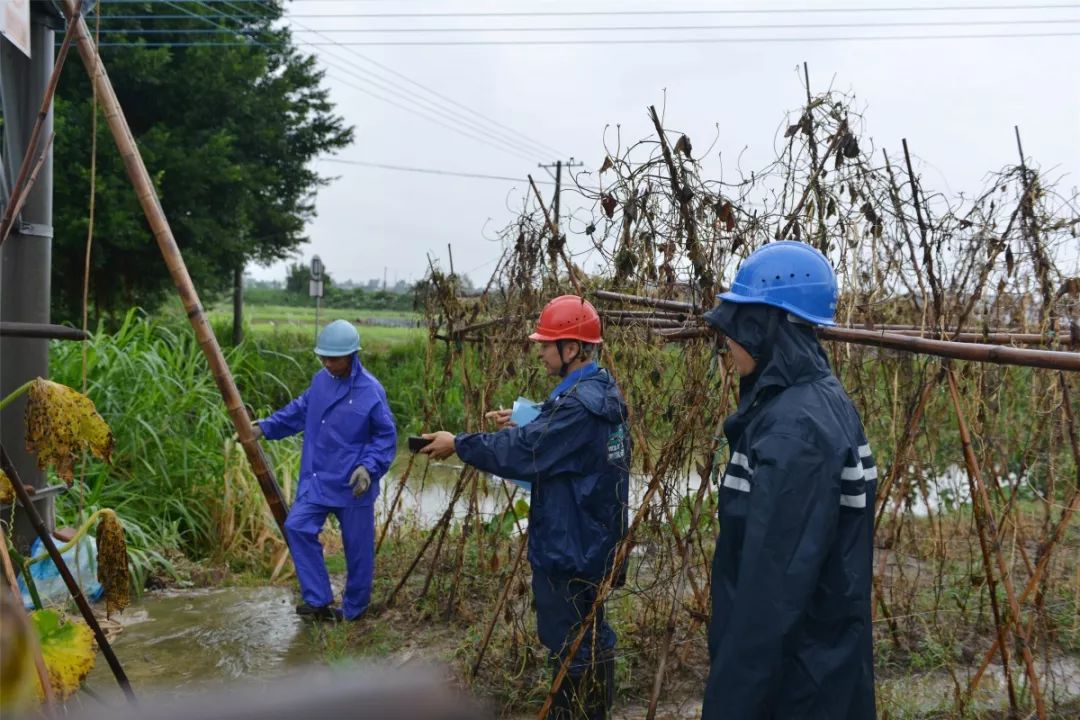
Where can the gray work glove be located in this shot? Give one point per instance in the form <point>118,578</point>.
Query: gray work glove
<point>360,481</point>
<point>255,430</point>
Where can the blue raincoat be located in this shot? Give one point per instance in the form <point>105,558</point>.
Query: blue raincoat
<point>790,634</point>
<point>576,453</point>
<point>346,423</point>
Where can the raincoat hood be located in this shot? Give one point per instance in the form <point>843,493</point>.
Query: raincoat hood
<point>785,348</point>
<point>597,392</point>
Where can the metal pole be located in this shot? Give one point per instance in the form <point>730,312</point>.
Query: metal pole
<point>25,259</point>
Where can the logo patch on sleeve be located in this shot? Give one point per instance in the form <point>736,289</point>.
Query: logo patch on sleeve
<point>616,444</point>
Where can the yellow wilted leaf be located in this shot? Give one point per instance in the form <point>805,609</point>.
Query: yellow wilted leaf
<point>112,562</point>
<point>17,675</point>
<point>68,649</point>
<point>60,424</point>
<point>7,491</point>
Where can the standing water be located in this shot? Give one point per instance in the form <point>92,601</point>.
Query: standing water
<point>184,641</point>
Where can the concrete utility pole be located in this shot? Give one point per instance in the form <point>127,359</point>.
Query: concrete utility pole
<point>26,257</point>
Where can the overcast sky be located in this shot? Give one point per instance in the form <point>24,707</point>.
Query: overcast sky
<point>956,101</point>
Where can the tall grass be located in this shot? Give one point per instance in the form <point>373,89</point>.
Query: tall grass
<point>171,479</point>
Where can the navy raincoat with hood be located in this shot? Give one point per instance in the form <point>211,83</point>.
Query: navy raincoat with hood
<point>576,454</point>
<point>790,635</point>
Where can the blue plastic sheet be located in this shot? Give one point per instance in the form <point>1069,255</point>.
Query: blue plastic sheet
<point>81,559</point>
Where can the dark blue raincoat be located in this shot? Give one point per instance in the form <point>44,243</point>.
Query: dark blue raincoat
<point>576,454</point>
<point>790,635</point>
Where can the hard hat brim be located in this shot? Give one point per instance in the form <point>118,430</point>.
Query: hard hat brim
<point>734,297</point>
<point>543,337</point>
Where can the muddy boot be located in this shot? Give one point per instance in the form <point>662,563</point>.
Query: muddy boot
<point>326,612</point>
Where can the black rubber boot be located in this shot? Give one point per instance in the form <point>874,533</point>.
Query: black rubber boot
<point>318,613</point>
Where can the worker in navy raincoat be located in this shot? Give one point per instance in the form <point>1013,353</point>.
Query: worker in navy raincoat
<point>576,454</point>
<point>790,635</point>
<point>349,442</point>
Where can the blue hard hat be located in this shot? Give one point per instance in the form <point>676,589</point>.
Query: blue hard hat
<point>337,339</point>
<point>790,275</point>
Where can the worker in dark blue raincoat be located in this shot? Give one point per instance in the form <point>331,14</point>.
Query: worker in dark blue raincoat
<point>790,635</point>
<point>576,454</point>
<point>349,442</point>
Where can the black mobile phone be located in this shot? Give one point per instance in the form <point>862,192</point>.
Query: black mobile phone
<point>417,443</point>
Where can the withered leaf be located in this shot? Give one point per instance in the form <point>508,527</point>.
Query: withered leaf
<point>726,215</point>
<point>607,165</point>
<point>61,423</point>
<point>609,204</point>
<point>683,146</point>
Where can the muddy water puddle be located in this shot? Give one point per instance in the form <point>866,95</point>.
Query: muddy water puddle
<point>185,640</point>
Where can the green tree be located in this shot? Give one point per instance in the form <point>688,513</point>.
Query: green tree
<point>228,131</point>
<point>298,278</point>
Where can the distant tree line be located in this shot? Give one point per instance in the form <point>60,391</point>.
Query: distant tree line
<point>295,293</point>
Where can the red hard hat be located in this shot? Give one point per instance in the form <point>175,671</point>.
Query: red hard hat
<point>568,317</point>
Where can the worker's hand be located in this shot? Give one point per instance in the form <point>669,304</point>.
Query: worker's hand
<point>501,418</point>
<point>255,430</point>
<point>441,445</point>
<point>360,481</point>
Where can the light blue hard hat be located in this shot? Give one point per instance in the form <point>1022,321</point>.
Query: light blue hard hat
<point>791,275</point>
<point>337,339</point>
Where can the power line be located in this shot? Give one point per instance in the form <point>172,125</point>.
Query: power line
<point>485,136</point>
<point>437,94</point>
<point>718,11</point>
<point>629,28</point>
<point>489,134</point>
<point>431,171</point>
<point>437,121</point>
<point>621,41</point>
<point>703,40</point>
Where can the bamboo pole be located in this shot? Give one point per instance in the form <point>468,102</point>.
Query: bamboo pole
<point>73,587</point>
<point>159,224</point>
<point>985,520</point>
<point>672,305</point>
<point>655,314</point>
<point>1049,359</point>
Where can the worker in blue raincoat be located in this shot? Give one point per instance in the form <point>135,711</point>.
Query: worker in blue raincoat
<point>349,442</point>
<point>576,454</point>
<point>790,635</point>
